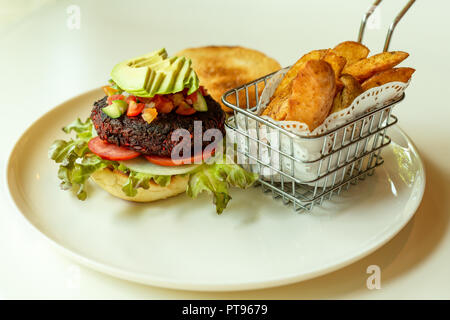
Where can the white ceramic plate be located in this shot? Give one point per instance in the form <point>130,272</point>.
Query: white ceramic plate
<point>182,243</point>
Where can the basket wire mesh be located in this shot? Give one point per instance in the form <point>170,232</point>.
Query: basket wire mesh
<point>349,153</point>
<point>355,152</point>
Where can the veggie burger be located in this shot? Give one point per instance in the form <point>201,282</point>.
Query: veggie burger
<point>150,137</point>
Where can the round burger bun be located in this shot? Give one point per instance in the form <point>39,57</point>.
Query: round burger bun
<point>222,68</point>
<point>113,180</point>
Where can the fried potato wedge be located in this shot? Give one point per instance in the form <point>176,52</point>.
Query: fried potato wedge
<point>293,71</point>
<point>337,103</point>
<point>352,51</point>
<point>277,106</point>
<point>351,90</point>
<point>337,63</point>
<point>312,94</point>
<point>326,81</point>
<point>365,68</point>
<point>391,75</point>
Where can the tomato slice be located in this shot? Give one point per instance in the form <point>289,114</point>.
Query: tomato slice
<point>169,162</point>
<point>110,151</point>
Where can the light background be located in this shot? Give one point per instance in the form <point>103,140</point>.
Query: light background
<point>43,63</point>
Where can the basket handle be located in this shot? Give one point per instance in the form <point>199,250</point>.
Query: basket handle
<point>365,18</point>
<point>391,27</point>
<point>395,22</point>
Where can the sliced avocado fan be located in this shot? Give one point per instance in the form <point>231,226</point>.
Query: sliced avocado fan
<point>155,73</point>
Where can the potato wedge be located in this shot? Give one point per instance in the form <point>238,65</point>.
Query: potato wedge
<point>352,51</point>
<point>391,75</point>
<point>365,68</point>
<point>351,90</point>
<point>276,109</point>
<point>336,62</point>
<point>312,94</point>
<point>293,71</point>
<point>337,103</point>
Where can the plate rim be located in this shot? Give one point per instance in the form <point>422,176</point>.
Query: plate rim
<point>203,286</point>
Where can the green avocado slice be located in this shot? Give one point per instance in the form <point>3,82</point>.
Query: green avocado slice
<point>154,56</point>
<point>182,76</point>
<point>192,82</point>
<point>156,83</point>
<point>167,83</point>
<point>163,65</point>
<point>130,77</point>
<point>155,73</point>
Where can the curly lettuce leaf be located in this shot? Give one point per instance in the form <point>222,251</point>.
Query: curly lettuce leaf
<point>77,163</point>
<point>216,178</point>
<point>72,171</point>
<point>141,180</point>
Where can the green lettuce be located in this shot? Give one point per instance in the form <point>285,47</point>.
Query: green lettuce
<point>140,180</point>
<point>216,178</point>
<point>77,163</point>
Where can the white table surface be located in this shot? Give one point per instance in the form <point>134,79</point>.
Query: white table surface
<point>43,63</point>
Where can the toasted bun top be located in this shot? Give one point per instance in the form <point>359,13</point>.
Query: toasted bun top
<point>221,68</point>
<point>112,181</point>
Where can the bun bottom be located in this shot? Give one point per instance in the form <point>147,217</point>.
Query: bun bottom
<point>112,181</point>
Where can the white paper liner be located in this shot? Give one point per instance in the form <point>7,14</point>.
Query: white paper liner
<point>308,149</point>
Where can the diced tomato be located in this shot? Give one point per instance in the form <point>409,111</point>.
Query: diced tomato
<point>193,97</point>
<point>169,162</point>
<point>144,99</point>
<point>110,151</point>
<point>115,97</point>
<point>163,104</point>
<point>130,98</point>
<point>203,91</point>
<point>134,108</point>
<point>109,91</point>
<point>177,98</point>
<point>185,110</point>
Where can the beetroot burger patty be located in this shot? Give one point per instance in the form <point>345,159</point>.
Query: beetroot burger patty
<point>154,138</point>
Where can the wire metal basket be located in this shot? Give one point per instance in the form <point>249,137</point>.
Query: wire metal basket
<point>348,153</point>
